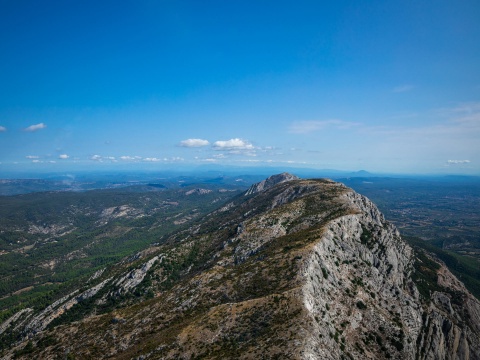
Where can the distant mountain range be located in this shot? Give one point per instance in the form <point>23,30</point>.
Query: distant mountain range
<point>87,181</point>
<point>21,183</point>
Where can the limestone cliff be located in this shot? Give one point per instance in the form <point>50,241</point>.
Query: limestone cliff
<point>296,269</point>
<point>269,182</point>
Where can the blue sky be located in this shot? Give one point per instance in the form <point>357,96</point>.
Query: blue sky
<point>386,86</point>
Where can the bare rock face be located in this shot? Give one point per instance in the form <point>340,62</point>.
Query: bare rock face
<point>269,182</point>
<point>373,307</point>
<point>198,192</point>
<point>298,269</point>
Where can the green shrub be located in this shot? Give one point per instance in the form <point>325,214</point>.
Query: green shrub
<point>360,304</point>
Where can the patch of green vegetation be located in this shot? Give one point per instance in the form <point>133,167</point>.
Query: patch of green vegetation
<point>465,268</point>
<point>398,344</point>
<point>366,237</point>
<point>425,275</point>
<point>27,349</point>
<point>358,282</point>
<point>361,305</point>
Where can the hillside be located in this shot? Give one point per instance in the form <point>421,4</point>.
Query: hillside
<point>290,269</point>
<point>49,241</point>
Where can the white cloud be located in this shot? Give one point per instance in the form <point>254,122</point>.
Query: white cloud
<point>36,161</point>
<point>130,158</point>
<point>453,162</point>
<point>153,159</point>
<point>96,158</point>
<point>242,152</point>
<point>32,157</point>
<point>52,162</point>
<point>402,88</point>
<point>194,143</point>
<point>233,144</point>
<point>250,160</point>
<point>63,156</point>
<point>305,127</point>
<point>35,127</point>
<point>3,129</point>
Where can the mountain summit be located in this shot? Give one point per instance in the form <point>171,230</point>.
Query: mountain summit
<point>269,182</point>
<point>298,269</point>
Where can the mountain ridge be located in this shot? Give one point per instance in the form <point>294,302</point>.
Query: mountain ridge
<point>303,269</point>
<point>269,182</point>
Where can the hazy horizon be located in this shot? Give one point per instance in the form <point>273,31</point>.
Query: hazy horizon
<point>211,172</point>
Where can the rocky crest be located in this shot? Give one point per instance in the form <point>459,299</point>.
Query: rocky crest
<point>297,269</point>
<point>269,182</point>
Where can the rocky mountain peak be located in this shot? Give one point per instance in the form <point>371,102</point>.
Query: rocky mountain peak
<point>270,182</point>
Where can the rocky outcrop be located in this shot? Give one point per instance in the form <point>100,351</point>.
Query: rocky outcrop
<point>198,192</point>
<point>59,307</point>
<point>269,182</point>
<point>365,303</point>
<point>29,323</point>
<point>134,277</point>
<point>6,324</point>
<point>115,212</point>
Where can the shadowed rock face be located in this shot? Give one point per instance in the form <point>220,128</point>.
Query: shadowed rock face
<point>298,269</point>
